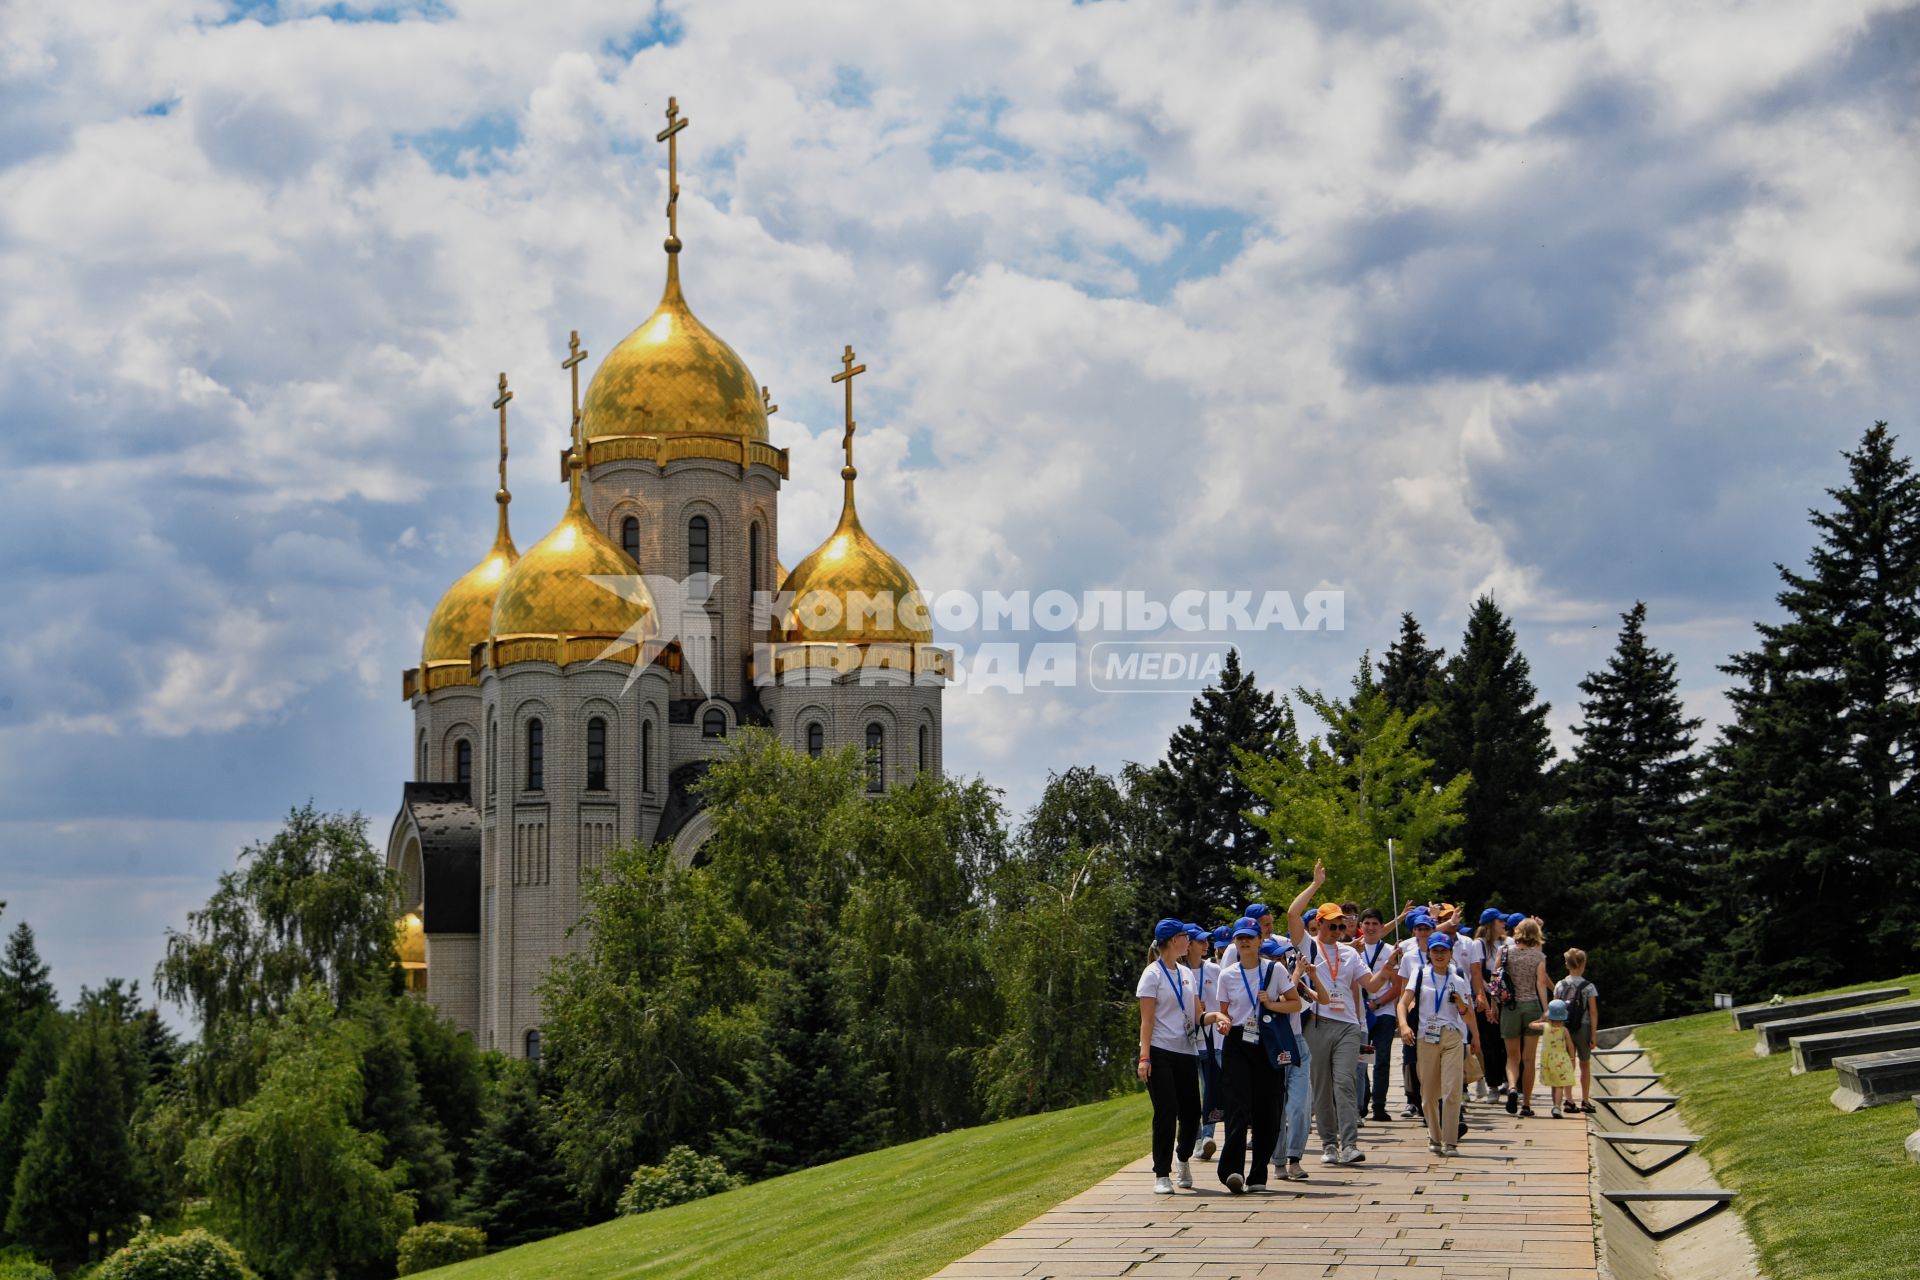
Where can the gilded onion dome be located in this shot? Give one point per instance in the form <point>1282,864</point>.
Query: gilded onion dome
<point>673,376</point>
<point>465,612</point>
<point>850,561</point>
<point>551,592</point>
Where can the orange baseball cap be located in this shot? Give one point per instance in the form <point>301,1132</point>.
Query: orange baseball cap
<point>1330,911</point>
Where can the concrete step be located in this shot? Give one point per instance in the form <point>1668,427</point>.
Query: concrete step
<point>1747,1017</point>
<point>1774,1037</point>
<point>1876,1079</point>
<point>1817,1053</point>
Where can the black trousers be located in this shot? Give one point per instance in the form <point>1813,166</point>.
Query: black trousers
<point>1493,1050</point>
<point>1173,1082</point>
<point>1381,1035</point>
<point>1410,1075</point>
<point>1254,1094</point>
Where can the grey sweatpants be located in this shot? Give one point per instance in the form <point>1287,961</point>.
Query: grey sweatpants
<point>1336,1095</point>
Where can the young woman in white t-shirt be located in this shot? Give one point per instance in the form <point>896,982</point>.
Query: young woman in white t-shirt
<point>1434,1018</point>
<point>1250,990</point>
<point>1169,1066</point>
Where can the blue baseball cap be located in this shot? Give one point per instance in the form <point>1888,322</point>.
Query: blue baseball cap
<point>1440,940</point>
<point>1244,927</point>
<point>1271,949</point>
<point>1420,920</point>
<point>1223,935</point>
<point>1198,934</point>
<point>1258,909</point>
<point>1280,943</point>
<point>1490,915</point>
<point>1167,928</point>
<point>1517,919</point>
<point>1556,1011</point>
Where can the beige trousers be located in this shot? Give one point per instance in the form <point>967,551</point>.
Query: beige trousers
<point>1442,1081</point>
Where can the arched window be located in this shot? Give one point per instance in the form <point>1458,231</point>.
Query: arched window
<point>714,723</point>
<point>876,755</point>
<point>816,739</point>
<point>646,757</point>
<point>925,737</point>
<point>533,1045</point>
<point>630,538</point>
<point>699,546</point>
<point>536,756</point>
<point>596,754</point>
<point>493,756</point>
<point>753,560</point>
<point>420,773</point>
<point>463,762</point>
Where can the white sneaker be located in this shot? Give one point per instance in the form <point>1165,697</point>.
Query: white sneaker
<point>1236,1184</point>
<point>1352,1155</point>
<point>1183,1176</point>
<point>1450,1151</point>
<point>1433,1147</point>
<point>1329,1156</point>
<point>1163,1185</point>
<point>1207,1149</point>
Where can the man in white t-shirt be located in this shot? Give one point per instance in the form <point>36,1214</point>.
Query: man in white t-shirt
<point>1434,1011</point>
<point>1380,1025</point>
<point>1334,1036</point>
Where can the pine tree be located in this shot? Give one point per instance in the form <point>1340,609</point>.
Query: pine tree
<point>1202,800</point>
<point>812,1094</point>
<point>1411,674</point>
<point>76,1186</point>
<point>391,1106</point>
<point>1812,801</point>
<point>1492,727</point>
<point>26,1088</point>
<point>25,992</point>
<point>518,1191</point>
<point>1631,827</point>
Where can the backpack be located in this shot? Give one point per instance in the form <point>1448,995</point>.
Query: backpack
<point>1576,1007</point>
<point>1499,994</point>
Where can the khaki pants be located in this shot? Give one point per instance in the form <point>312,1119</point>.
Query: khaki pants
<point>1442,1079</point>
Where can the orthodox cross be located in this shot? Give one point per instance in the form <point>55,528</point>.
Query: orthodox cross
<point>766,399</point>
<point>572,365</point>
<point>848,372</point>
<point>669,135</point>
<point>501,405</point>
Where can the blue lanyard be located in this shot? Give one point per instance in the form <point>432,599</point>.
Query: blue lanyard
<point>1441,987</point>
<point>1248,987</point>
<point>1178,998</point>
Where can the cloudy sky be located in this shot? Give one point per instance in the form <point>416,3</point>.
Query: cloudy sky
<point>1574,303</point>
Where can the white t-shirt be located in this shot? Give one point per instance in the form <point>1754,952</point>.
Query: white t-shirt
<point>1176,996</point>
<point>1467,951</point>
<point>1209,983</point>
<point>1239,986</point>
<point>1378,956</point>
<point>1411,964</point>
<point>1341,970</point>
<point>1429,981</point>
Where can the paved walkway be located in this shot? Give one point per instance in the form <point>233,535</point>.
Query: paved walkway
<point>1514,1205</point>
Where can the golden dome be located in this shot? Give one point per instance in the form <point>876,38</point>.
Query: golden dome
<point>851,561</point>
<point>673,376</point>
<point>464,613</point>
<point>551,592</point>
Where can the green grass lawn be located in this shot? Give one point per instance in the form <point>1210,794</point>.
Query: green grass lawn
<point>898,1214</point>
<point>1826,1196</point>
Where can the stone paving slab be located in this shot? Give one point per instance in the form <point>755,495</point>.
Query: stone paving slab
<point>1514,1205</point>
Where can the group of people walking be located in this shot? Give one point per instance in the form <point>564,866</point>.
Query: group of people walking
<point>1273,1034</point>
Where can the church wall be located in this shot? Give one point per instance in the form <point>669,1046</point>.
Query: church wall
<point>453,978</point>
<point>845,709</point>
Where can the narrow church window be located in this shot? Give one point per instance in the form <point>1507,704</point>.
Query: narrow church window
<point>816,739</point>
<point>463,762</point>
<point>536,756</point>
<point>533,1045</point>
<point>630,538</point>
<point>493,756</point>
<point>420,774</point>
<point>753,561</point>
<point>923,748</point>
<point>596,754</point>
<point>646,756</point>
<point>876,755</point>
<point>714,723</point>
<point>697,545</point>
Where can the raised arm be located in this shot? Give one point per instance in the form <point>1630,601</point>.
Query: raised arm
<point>1296,927</point>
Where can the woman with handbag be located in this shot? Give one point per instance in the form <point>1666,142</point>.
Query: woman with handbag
<point>1253,1000</point>
<point>1169,1066</point>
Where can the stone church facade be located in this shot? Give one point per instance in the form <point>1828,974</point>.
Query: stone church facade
<point>555,718</point>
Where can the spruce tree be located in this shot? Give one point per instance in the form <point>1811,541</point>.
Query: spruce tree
<point>812,1093</point>
<point>1411,673</point>
<point>1812,803</point>
<point>1202,800</point>
<point>76,1188</point>
<point>1492,725</point>
<point>25,992</point>
<point>518,1192</point>
<point>1629,792</point>
<point>392,1107</point>
<point>26,1088</point>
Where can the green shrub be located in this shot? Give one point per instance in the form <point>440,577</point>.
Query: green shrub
<point>18,1264</point>
<point>195,1254</point>
<point>439,1244</point>
<point>686,1175</point>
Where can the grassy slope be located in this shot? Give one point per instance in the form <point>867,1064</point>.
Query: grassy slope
<point>903,1212</point>
<point>1826,1196</point>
